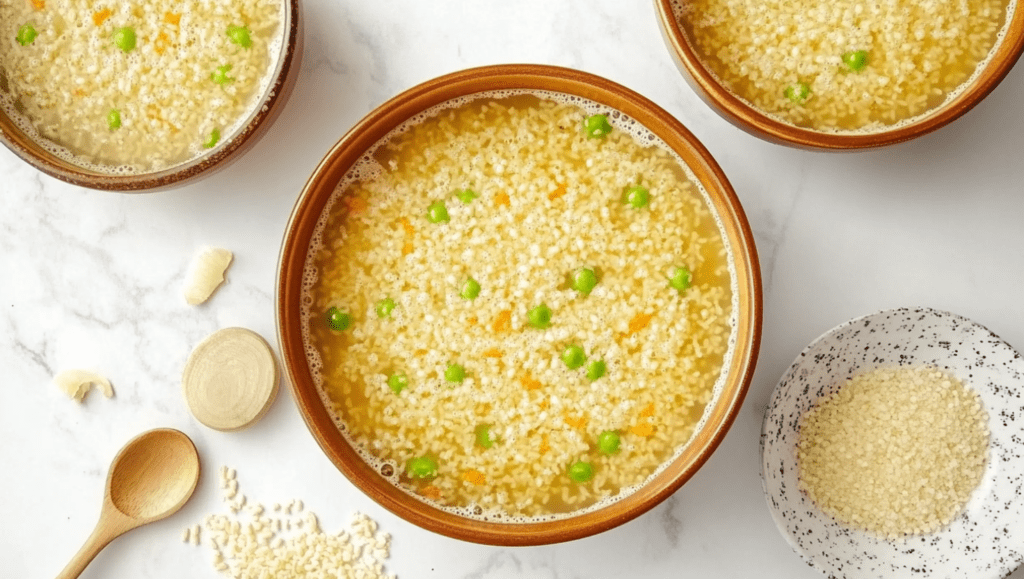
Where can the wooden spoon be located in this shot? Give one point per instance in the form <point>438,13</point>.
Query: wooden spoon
<point>150,479</point>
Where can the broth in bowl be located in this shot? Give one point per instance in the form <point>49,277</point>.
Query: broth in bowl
<point>482,286</point>
<point>844,67</point>
<point>135,87</point>
<point>519,306</point>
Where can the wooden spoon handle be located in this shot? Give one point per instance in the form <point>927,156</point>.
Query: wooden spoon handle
<point>101,536</point>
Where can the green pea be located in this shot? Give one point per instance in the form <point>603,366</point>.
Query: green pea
<point>856,60</point>
<point>385,307</point>
<point>398,382</point>
<point>454,373</point>
<point>239,35</point>
<point>540,316</point>
<point>581,471</point>
<point>470,289</point>
<point>637,197</point>
<point>220,75</point>
<point>484,436</point>
<point>421,467</point>
<point>338,320</point>
<point>466,195</point>
<point>596,126</point>
<point>608,442</point>
<point>584,281</point>
<point>596,369</point>
<point>26,34</point>
<point>114,119</point>
<point>574,356</point>
<point>437,212</point>
<point>124,38</point>
<point>214,138</point>
<point>798,92</point>
<point>680,278</point>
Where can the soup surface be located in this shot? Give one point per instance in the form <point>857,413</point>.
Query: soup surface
<point>134,86</point>
<point>845,65</point>
<point>512,318</point>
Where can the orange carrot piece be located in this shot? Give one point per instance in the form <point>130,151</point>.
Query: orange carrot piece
<point>579,423</point>
<point>558,192</point>
<point>355,204</point>
<point>639,322</point>
<point>172,18</point>
<point>407,248</point>
<point>648,411</point>
<point>502,199</point>
<point>492,353</point>
<point>503,323</point>
<point>39,4</point>
<point>154,113</point>
<point>474,477</point>
<point>643,429</point>
<point>162,42</point>
<point>431,492</point>
<point>419,353</point>
<point>530,383</point>
<point>409,229</point>
<point>544,446</point>
<point>99,17</point>
<point>472,320</point>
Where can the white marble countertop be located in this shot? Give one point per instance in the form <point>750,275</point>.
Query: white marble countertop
<point>93,280</point>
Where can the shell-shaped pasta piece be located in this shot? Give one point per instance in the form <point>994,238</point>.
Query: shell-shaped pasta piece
<point>206,274</point>
<point>78,383</point>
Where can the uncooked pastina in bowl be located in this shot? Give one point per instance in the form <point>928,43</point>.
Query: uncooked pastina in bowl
<point>842,75</point>
<point>143,95</point>
<point>518,305</point>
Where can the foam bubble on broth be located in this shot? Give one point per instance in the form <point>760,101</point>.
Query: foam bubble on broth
<point>683,12</point>
<point>367,168</point>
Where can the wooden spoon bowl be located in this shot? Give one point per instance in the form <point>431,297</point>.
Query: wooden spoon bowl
<point>151,478</point>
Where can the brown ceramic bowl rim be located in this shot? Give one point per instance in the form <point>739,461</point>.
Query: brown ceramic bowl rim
<point>369,131</point>
<point>753,121</point>
<point>259,120</point>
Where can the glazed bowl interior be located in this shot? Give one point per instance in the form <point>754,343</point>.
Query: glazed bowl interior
<point>752,120</point>
<point>353,146</point>
<point>262,115</point>
<point>985,539</point>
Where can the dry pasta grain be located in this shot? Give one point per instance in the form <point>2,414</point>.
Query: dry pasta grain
<point>895,451</point>
<point>255,544</point>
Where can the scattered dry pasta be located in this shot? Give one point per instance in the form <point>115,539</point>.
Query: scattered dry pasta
<point>287,542</point>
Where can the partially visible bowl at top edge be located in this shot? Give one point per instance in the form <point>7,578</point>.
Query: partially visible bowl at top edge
<point>229,147</point>
<point>753,120</point>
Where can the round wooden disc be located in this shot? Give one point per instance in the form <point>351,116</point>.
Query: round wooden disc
<point>230,379</point>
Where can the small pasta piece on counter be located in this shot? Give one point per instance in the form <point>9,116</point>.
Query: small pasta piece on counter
<point>78,383</point>
<point>206,274</point>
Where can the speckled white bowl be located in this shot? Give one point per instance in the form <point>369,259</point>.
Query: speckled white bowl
<point>987,539</point>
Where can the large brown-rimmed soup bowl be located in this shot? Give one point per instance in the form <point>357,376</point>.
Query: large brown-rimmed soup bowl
<point>677,18</point>
<point>295,312</point>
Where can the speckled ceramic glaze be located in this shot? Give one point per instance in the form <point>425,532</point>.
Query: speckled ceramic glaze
<point>987,539</point>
